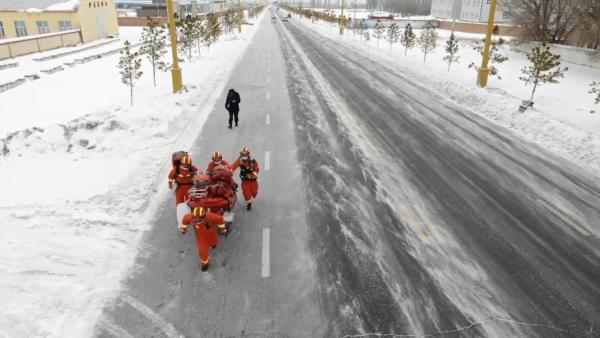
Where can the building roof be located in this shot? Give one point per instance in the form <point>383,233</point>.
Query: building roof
<point>39,5</point>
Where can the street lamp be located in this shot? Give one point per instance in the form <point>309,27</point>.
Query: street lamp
<point>176,71</point>
<point>484,72</point>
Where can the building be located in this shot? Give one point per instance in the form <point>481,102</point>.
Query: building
<point>158,8</point>
<point>470,10</point>
<point>94,19</point>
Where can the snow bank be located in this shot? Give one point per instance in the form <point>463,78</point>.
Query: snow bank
<point>79,179</point>
<point>561,120</point>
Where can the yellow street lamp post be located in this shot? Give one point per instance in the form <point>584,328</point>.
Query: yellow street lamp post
<point>342,19</point>
<point>484,71</point>
<point>176,71</point>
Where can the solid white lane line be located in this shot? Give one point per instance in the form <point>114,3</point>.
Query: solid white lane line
<point>269,79</point>
<point>565,218</point>
<point>265,270</point>
<point>268,95</point>
<point>267,160</point>
<point>268,120</point>
<point>167,328</point>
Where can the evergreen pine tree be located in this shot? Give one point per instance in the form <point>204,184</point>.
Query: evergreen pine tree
<point>187,35</point>
<point>496,57</point>
<point>216,30</point>
<point>154,45</point>
<point>199,32</point>
<point>544,68</point>
<point>408,38</point>
<point>129,68</point>
<point>378,31</point>
<point>364,28</point>
<point>393,34</point>
<point>595,90</point>
<point>451,50</point>
<point>359,27</point>
<point>427,40</point>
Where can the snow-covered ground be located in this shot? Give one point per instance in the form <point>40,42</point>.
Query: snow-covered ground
<point>79,169</point>
<point>561,120</point>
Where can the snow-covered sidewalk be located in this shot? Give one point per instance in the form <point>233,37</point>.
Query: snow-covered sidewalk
<point>561,120</point>
<point>79,170</point>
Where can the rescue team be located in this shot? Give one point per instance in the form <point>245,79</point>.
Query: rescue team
<point>204,198</point>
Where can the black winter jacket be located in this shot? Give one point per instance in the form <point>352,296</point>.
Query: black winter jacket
<point>233,101</point>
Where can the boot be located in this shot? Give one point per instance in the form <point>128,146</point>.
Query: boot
<point>204,267</point>
<point>249,206</point>
<point>230,127</point>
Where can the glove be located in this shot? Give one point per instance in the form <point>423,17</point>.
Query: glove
<point>170,184</point>
<point>183,228</point>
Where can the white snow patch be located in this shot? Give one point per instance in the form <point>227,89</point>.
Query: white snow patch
<point>80,188</point>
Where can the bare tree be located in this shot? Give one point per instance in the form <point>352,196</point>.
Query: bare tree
<point>550,21</point>
<point>588,32</point>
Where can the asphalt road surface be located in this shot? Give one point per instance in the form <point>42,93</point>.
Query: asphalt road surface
<point>383,209</point>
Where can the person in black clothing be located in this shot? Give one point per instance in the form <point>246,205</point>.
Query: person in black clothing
<point>233,106</point>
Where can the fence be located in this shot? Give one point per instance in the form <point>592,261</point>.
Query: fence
<point>10,48</point>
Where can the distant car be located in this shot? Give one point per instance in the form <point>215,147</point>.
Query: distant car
<point>285,20</point>
<point>290,15</point>
<point>273,18</point>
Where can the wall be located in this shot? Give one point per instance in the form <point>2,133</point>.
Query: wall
<point>8,19</point>
<point>39,43</point>
<point>480,28</point>
<point>87,13</point>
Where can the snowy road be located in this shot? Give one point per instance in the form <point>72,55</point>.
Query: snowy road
<point>384,208</point>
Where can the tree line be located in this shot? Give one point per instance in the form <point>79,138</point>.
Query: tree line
<point>558,21</point>
<point>193,32</point>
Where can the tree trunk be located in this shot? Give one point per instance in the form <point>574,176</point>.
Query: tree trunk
<point>449,64</point>
<point>154,71</point>
<point>405,50</point>
<point>131,92</point>
<point>390,46</point>
<point>535,84</point>
<point>424,57</point>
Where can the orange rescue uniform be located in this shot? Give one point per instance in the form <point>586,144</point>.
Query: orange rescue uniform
<point>184,179</point>
<point>205,227</point>
<point>249,175</point>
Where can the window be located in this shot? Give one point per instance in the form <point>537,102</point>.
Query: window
<point>43,27</point>
<point>64,26</point>
<point>21,28</point>
<point>2,34</point>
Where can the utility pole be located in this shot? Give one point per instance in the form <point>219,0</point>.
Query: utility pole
<point>176,71</point>
<point>342,19</point>
<point>484,71</point>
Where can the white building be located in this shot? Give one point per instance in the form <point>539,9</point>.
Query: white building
<point>470,10</point>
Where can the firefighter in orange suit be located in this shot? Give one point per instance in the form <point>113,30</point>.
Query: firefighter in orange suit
<point>217,160</point>
<point>248,174</point>
<point>205,225</point>
<point>182,175</point>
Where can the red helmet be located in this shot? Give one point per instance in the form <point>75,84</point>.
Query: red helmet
<point>217,157</point>
<point>245,152</point>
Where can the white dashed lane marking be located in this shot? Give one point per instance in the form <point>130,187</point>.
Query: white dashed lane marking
<point>267,161</point>
<point>268,120</point>
<point>265,270</point>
